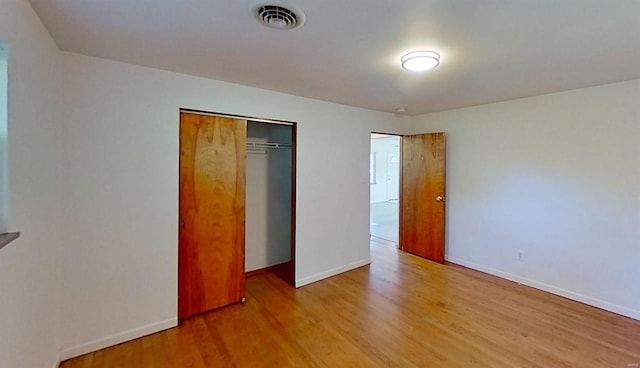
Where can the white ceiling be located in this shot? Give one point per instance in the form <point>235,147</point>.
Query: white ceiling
<point>348,51</point>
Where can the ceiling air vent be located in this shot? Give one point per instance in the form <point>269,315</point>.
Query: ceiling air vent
<point>279,17</point>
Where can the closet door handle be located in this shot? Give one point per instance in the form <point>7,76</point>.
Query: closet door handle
<point>182,224</point>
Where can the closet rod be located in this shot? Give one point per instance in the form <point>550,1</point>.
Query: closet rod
<point>267,145</point>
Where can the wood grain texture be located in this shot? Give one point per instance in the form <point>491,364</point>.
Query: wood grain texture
<point>401,311</point>
<point>422,222</point>
<point>212,212</point>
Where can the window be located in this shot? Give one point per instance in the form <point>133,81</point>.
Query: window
<point>4,151</point>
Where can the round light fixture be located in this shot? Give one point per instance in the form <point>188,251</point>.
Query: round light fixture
<point>420,61</point>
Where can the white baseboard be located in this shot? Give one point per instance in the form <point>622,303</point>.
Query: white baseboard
<point>618,309</point>
<point>332,272</point>
<point>118,338</point>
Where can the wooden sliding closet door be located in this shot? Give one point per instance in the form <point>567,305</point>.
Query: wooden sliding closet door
<point>212,213</point>
<point>422,196</point>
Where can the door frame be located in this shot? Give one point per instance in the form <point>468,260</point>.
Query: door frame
<point>400,192</point>
<point>398,245</point>
<point>291,273</point>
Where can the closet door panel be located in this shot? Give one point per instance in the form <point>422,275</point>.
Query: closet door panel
<point>212,213</point>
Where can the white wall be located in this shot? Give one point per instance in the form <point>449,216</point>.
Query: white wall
<point>121,198</point>
<point>387,185</point>
<point>30,266</point>
<point>268,197</point>
<point>4,149</point>
<point>556,177</point>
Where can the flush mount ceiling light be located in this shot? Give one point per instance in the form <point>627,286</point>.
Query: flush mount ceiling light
<point>278,16</point>
<point>420,61</point>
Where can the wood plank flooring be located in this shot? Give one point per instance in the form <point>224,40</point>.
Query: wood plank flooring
<point>401,311</point>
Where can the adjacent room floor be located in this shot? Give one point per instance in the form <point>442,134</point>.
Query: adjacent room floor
<point>384,222</point>
<point>401,311</point>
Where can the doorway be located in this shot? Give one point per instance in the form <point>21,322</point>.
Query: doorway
<point>268,225</point>
<point>384,181</point>
<point>232,205</point>
<point>407,193</point>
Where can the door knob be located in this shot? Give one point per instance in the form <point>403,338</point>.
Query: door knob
<point>182,224</point>
<point>440,198</point>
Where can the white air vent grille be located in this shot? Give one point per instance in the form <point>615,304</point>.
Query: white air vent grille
<point>279,17</point>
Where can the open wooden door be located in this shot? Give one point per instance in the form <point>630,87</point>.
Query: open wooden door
<point>422,196</point>
<point>212,213</point>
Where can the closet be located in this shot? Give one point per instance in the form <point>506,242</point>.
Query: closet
<point>268,196</point>
<point>236,209</point>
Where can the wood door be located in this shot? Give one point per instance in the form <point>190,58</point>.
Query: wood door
<point>212,212</point>
<point>422,196</point>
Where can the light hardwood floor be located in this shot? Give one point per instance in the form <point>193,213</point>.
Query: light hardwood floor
<point>401,311</point>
